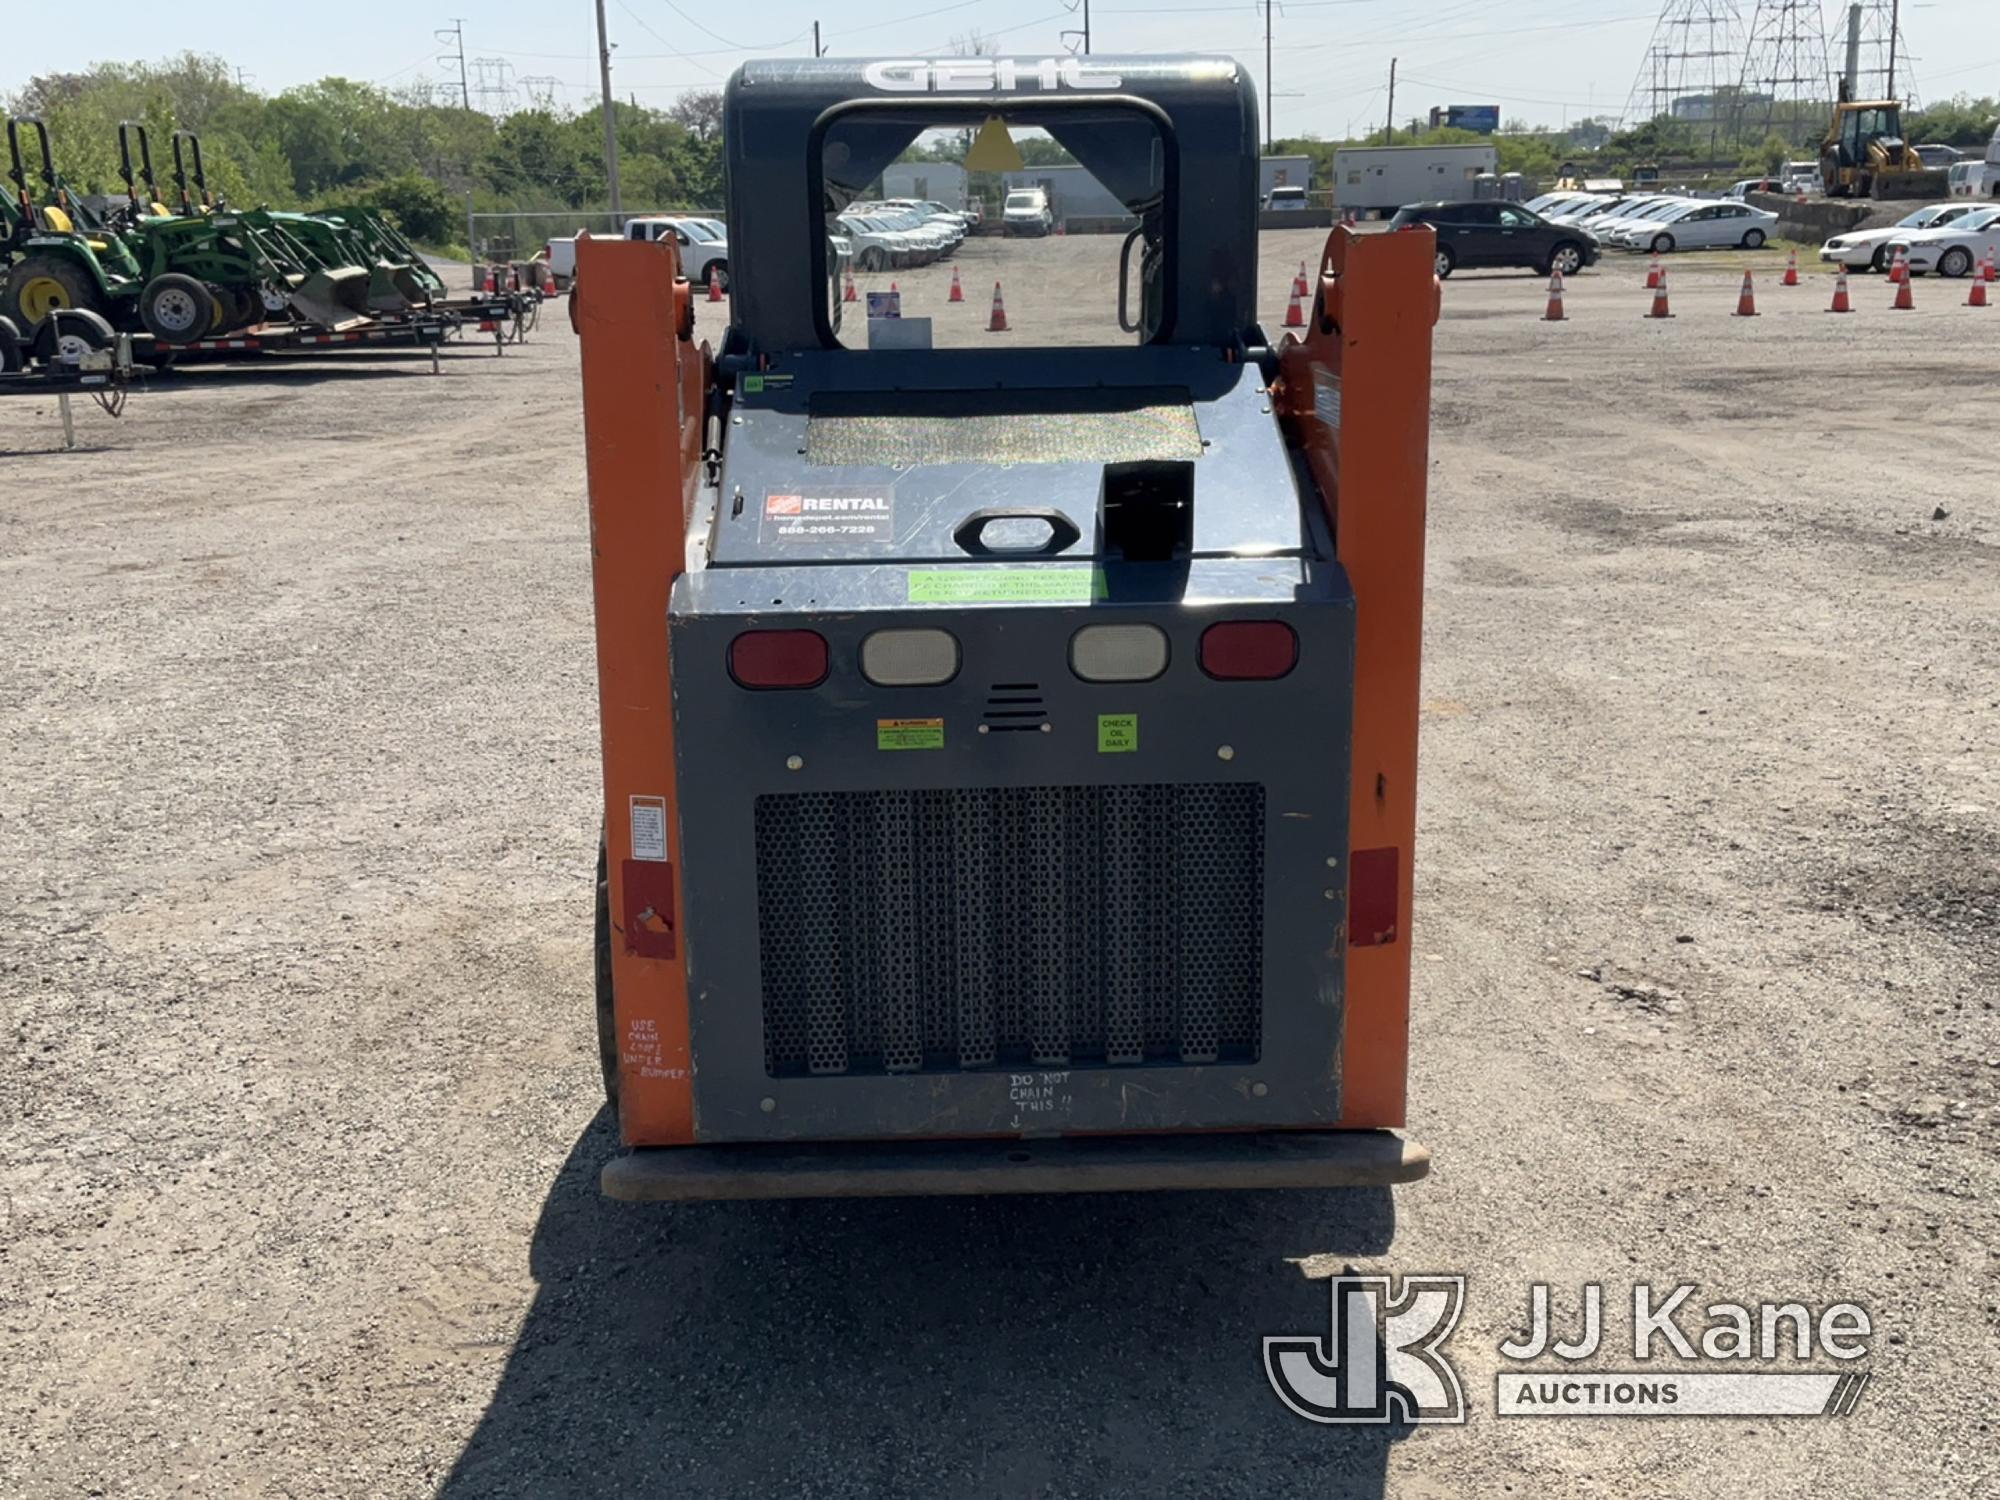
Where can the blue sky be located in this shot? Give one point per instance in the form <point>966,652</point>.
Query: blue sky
<point>1540,60</point>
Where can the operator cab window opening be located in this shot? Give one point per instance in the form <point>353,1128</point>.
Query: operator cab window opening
<point>1065,209</point>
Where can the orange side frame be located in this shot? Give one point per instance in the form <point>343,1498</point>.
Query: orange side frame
<point>1355,397</point>
<point>644,381</point>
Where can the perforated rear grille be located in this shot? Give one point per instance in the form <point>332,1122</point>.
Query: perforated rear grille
<point>906,931</point>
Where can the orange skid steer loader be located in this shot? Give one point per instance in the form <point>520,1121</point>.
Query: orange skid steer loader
<point>1009,751</point>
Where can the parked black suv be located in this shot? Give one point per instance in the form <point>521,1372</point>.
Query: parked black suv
<point>1491,233</point>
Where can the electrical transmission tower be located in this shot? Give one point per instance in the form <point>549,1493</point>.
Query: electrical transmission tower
<point>541,89</point>
<point>1786,82</point>
<point>1691,67</point>
<point>494,85</point>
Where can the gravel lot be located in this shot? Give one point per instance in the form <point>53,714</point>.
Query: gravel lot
<point>299,1117</point>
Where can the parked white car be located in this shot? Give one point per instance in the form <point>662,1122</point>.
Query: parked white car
<point>1955,248</point>
<point>704,253</point>
<point>880,245</point>
<point>1550,205</point>
<point>1698,225</point>
<point>1026,211</point>
<point>1868,249</point>
<point>1608,227</point>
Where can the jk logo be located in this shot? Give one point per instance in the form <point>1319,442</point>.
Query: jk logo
<point>1379,1361</point>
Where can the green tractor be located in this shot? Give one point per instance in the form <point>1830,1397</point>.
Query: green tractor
<point>343,255</point>
<point>58,254</point>
<point>292,268</point>
<point>180,276</point>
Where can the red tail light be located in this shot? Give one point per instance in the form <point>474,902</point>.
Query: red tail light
<point>778,658</point>
<point>1249,650</point>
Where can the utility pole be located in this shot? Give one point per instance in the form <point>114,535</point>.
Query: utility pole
<point>471,240</point>
<point>610,122</point>
<point>1084,35</point>
<point>1389,120</point>
<point>818,50</point>
<point>455,33</point>
<point>1269,97</point>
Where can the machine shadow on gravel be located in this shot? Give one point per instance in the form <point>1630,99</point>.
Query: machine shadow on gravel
<point>1073,1344</point>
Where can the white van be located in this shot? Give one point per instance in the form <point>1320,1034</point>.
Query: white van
<point>1972,179</point>
<point>1026,211</point>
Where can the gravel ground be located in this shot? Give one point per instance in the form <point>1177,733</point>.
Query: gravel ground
<point>299,1119</point>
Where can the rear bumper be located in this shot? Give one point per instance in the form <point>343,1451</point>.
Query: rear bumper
<point>1077,1164</point>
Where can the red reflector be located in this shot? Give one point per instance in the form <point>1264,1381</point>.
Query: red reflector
<point>1371,896</point>
<point>778,658</point>
<point>1253,650</point>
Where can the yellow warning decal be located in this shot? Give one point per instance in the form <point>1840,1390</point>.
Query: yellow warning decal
<point>909,734</point>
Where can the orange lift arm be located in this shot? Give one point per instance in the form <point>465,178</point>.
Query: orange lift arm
<point>644,385</point>
<point>1355,396</point>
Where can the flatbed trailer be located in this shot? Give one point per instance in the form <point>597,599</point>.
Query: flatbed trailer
<point>410,332</point>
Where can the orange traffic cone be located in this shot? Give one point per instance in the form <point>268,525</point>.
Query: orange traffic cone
<point>1295,313</point>
<point>850,295</point>
<point>1899,269</point>
<point>1791,276</point>
<point>1746,299</point>
<point>998,322</point>
<point>1299,288</point>
<point>1654,273</point>
<point>714,288</point>
<point>1840,302</point>
<point>1660,299</point>
<point>1986,272</point>
<point>1905,301</point>
<point>1976,297</point>
<point>1555,314</point>
<point>957,292</point>
<point>894,290</point>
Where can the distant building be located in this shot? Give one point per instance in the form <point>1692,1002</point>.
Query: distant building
<point>1283,171</point>
<point>939,181</point>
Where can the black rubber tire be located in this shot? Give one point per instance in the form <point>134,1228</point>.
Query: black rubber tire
<point>1663,244</point>
<point>1443,264</point>
<point>1753,239</point>
<point>10,347</point>
<point>177,309</point>
<point>76,283</point>
<point>1567,256</point>
<point>871,258</point>
<point>243,308</point>
<point>1955,262</point>
<point>1879,262</point>
<point>607,1024</point>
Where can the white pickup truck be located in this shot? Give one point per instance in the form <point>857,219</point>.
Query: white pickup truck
<point>704,244</point>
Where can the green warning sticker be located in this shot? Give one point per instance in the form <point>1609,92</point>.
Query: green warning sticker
<point>1116,732</point>
<point>1005,585</point>
<point>909,734</point>
<point>752,384</point>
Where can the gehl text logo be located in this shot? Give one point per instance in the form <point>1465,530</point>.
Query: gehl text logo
<point>980,75</point>
<point>1379,1361</point>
